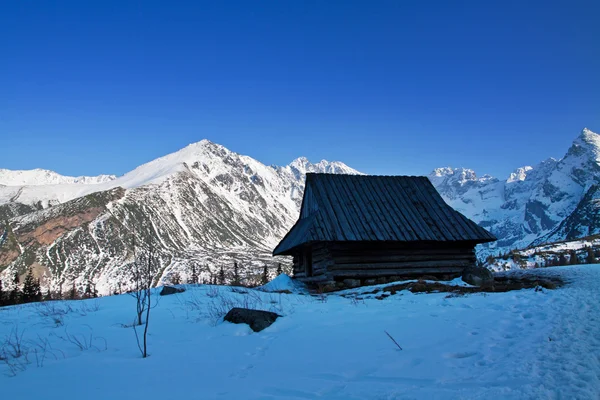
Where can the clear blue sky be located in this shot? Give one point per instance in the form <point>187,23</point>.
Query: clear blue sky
<point>389,87</point>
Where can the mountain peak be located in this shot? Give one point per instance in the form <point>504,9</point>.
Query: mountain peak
<point>586,145</point>
<point>519,174</point>
<point>302,165</point>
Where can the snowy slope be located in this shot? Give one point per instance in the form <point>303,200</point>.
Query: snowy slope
<point>517,345</point>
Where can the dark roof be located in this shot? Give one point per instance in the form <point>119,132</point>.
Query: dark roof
<point>377,208</point>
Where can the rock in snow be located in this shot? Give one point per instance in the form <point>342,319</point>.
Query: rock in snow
<point>167,290</point>
<point>257,319</point>
<point>477,276</point>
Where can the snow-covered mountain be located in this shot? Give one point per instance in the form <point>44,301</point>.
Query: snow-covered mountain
<point>206,206</point>
<point>203,205</point>
<point>38,176</point>
<point>547,202</point>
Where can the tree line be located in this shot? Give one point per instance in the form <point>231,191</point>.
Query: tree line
<point>233,278</point>
<point>570,257</point>
<point>30,291</point>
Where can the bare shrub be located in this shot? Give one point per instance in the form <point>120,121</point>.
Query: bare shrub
<point>356,301</point>
<point>84,341</point>
<point>55,311</point>
<point>212,291</point>
<point>86,307</point>
<point>321,294</point>
<point>42,349</point>
<point>143,268</point>
<point>13,351</point>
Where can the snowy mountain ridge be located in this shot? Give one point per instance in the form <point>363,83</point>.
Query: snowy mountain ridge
<point>530,205</point>
<point>205,205</point>
<point>38,176</point>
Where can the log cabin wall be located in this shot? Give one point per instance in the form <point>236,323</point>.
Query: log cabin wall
<point>321,258</point>
<point>338,261</point>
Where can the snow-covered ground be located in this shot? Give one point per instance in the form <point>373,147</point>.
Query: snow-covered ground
<point>516,345</point>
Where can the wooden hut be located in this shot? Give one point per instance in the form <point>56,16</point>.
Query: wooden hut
<point>363,227</point>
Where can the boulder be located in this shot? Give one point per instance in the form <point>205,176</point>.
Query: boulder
<point>167,290</point>
<point>478,276</point>
<point>257,319</point>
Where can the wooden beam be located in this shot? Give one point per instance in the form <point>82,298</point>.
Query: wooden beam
<point>391,272</point>
<point>399,265</point>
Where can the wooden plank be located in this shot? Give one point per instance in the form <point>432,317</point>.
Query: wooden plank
<point>404,212</point>
<point>405,203</point>
<point>451,216</point>
<point>393,272</point>
<point>332,219</point>
<point>341,210</point>
<point>400,265</point>
<point>376,259</point>
<point>426,213</point>
<point>435,208</point>
<point>395,232</point>
<point>365,213</point>
<point>346,249</point>
<point>398,221</point>
<point>363,230</point>
<point>372,208</point>
<point>381,212</point>
<point>316,279</point>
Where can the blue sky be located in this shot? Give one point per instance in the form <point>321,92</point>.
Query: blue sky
<point>389,87</point>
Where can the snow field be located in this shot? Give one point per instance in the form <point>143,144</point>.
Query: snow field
<point>514,345</point>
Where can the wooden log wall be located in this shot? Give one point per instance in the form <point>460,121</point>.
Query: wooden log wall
<point>364,260</point>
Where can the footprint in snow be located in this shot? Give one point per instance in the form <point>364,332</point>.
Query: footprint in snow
<point>464,354</point>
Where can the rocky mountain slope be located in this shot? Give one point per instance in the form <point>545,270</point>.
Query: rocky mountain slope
<point>554,200</point>
<point>203,205</point>
<point>207,206</point>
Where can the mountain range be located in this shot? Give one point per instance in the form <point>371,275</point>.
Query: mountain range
<point>206,206</point>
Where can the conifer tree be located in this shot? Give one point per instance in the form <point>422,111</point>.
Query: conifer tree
<point>48,295</point>
<point>14,296</point>
<point>236,274</point>
<point>87,292</point>
<point>264,279</point>
<point>38,290</point>
<point>175,279</point>
<point>194,276</point>
<point>590,259</point>
<point>73,292</point>
<point>562,260</point>
<point>221,277</point>
<point>279,269</point>
<point>573,260</point>
<point>31,288</point>
<point>1,294</point>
